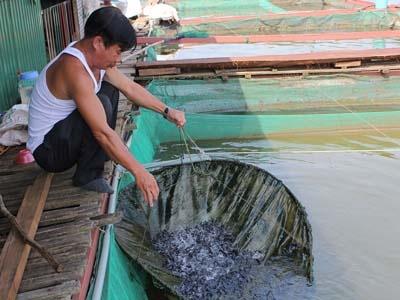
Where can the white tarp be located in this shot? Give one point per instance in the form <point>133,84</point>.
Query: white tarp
<point>13,128</point>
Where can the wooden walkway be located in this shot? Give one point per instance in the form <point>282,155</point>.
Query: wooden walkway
<point>65,227</point>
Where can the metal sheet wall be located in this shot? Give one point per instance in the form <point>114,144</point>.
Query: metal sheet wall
<point>22,45</point>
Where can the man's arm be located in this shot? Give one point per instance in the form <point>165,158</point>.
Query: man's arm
<point>140,96</point>
<point>80,87</point>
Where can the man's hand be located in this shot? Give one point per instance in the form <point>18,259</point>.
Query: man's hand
<point>177,117</point>
<point>147,184</point>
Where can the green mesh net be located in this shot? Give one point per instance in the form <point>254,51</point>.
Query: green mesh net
<point>123,272</point>
<point>188,8</point>
<point>360,21</point>
<point>243,108</point>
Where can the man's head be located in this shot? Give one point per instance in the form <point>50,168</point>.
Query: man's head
<point>108,27</point>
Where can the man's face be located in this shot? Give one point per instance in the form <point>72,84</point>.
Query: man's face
<point>107,57</point>
<point>112,56</point>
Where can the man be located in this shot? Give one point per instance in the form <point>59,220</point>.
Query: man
<point>71,119</point>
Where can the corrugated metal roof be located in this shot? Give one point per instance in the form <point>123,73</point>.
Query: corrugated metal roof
<point>22,45</point>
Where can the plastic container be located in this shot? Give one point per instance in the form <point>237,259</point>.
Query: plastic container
<point>26,83</point>
<point>24,157</point>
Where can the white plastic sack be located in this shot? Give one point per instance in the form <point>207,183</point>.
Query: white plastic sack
<point>14,126</point>
<point>161,11</point>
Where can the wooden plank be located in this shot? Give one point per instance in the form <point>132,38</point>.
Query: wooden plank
<point>159,71</point>
<point>40,267</point>
<point>374,69</point>
<point>127,71</point>
<point>19,178</point>
<point>15,252</point>
<point>54,201</point>
<point>40,281</point>
<point>69,214</point>
<point>348,64</point>
<point>276,61</point>
<point>61,254</point>
<point>53,292</point>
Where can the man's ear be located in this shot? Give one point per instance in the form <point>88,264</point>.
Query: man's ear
<point>98,43</point>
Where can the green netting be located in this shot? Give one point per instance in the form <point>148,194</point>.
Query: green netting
<point>270,94</point>
<point>360,21</point>
<point>190,8</point>
<point>299,5</point>
<point>145,141</point>
<point>124,280</point>
<point>242,108</point>
<point>259,210</point>
<point>205,8</point>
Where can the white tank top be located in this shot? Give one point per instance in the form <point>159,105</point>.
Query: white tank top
<point>45,110</point>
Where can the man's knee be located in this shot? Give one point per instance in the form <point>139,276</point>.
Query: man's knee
<point>111,91</point>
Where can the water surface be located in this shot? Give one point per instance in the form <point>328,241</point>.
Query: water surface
<point>349,185</point>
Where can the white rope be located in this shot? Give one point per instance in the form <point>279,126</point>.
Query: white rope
<point>357,115</point>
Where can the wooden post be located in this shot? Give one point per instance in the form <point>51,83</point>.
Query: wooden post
<point>15,253</point>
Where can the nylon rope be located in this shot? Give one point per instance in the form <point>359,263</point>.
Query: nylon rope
<point>362,119</point>
<point>247,202</point>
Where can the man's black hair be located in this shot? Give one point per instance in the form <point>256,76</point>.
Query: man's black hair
<point>109,23</point>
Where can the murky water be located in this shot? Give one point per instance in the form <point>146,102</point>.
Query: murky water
<point>350,189</point>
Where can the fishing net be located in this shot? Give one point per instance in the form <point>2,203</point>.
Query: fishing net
<point>190,9</point>
<point>360,21</point>
<point>242,108</point>
<point>262,214</point>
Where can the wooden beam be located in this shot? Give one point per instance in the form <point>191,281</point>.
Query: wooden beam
<point>15,253</point>
<point>275,61</point>
<point>158,71</point>
<point>348,64</point>
<point>393,70</point>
